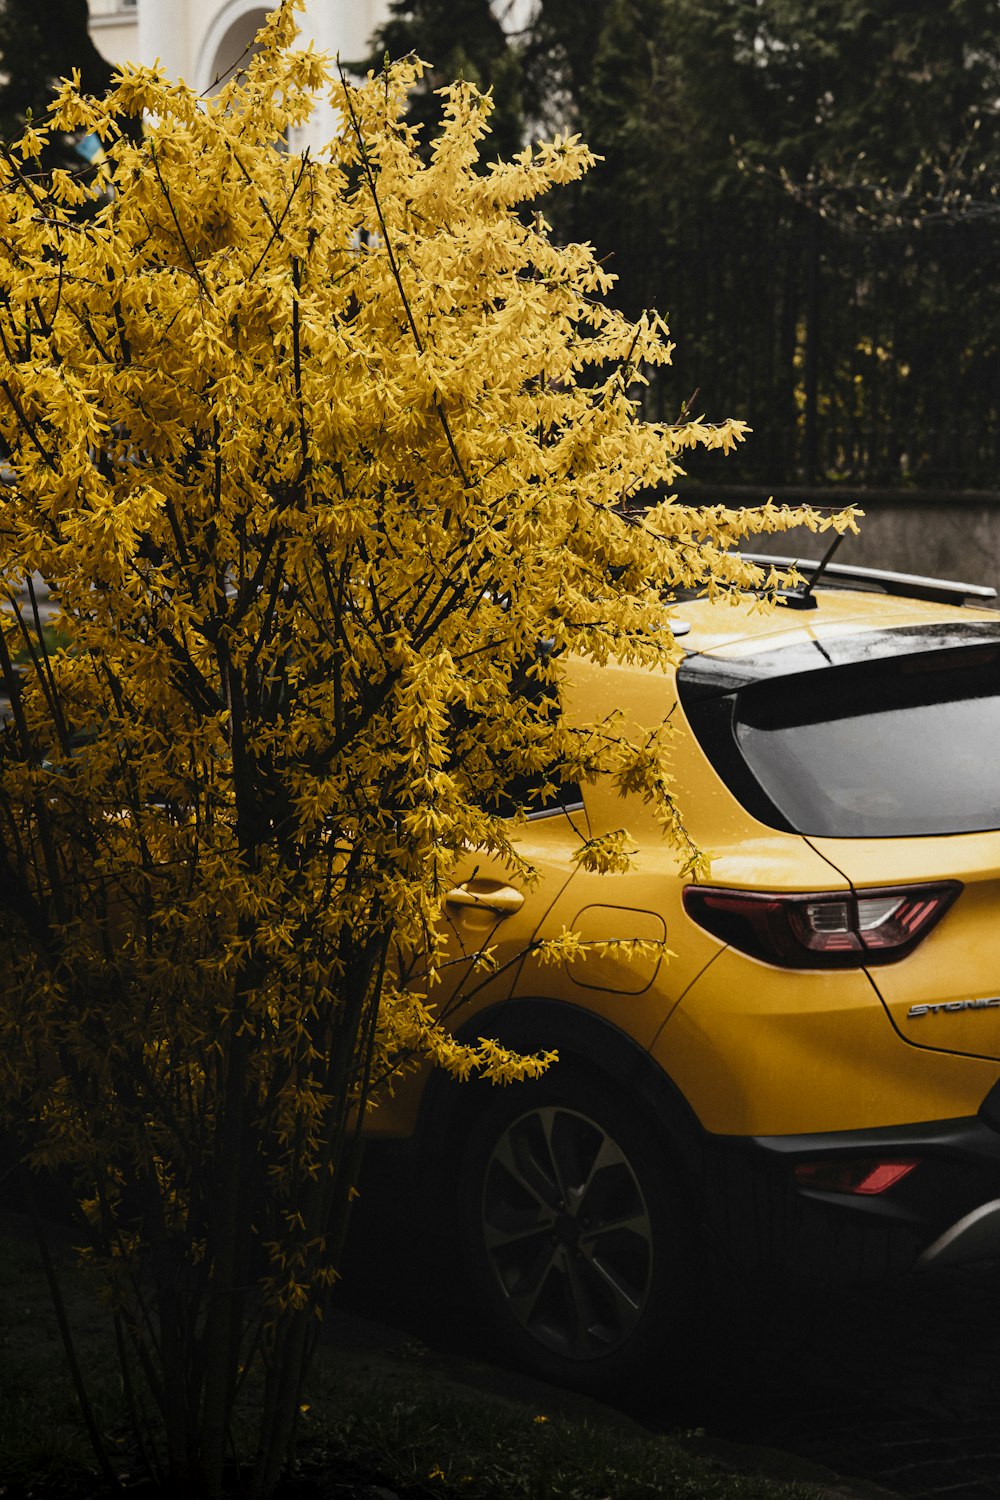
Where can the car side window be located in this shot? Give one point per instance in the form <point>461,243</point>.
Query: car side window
<point>542,799</point>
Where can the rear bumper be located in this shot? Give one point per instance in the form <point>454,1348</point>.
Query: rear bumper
<point>945,1211</point>
<point>976,1236</point>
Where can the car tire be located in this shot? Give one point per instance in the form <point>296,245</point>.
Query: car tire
<point>578,1238</point>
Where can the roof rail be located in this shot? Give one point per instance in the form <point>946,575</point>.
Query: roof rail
<point>905,585</point>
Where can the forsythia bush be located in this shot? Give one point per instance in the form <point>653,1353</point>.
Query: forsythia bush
<point>312,453</point>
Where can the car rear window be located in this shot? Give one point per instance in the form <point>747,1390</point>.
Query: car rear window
<point>903,746</point>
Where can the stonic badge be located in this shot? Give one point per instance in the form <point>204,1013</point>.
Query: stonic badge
<point>993,1003</point>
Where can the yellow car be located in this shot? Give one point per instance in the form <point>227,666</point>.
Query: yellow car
<point>810,1082</point>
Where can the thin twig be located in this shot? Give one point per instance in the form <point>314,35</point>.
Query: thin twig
<point>177,223</point>
<point>394,266</point>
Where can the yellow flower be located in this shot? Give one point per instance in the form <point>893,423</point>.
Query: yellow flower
<point>312,454</point>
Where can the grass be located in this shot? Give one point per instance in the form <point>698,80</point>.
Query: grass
<point>42,1436</point>
<point>394,1421</point>
<point>456,1446</point>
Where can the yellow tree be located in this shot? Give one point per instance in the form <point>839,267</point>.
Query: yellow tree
<point>312,454</point>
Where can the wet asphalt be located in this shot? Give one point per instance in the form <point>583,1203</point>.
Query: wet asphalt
<point>895,1384</point>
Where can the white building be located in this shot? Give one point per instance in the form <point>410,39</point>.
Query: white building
<point>200,40</point>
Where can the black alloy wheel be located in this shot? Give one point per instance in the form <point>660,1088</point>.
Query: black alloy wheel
<point>574,1229</point>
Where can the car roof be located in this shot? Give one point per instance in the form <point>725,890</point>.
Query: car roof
<point>728,646</point>
<point>732,628</point>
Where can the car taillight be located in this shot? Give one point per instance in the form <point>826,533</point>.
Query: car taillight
<point>836,930</point>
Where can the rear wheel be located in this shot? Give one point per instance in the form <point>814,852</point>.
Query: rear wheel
<point>575,1230</point>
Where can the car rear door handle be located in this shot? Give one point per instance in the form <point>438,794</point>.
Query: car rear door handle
<point>504,900</point>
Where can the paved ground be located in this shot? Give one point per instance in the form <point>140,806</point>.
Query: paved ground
<point>895,1387</point>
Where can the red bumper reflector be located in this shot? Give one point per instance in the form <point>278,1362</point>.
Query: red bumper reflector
<point>868,1175</point>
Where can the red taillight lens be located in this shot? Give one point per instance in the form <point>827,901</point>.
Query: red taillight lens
<point>867,1176</point>
<point>837,930</point>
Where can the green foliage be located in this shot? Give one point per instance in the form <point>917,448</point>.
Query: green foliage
<point>461,40</point>
<point>813,191</point>
<point>424,1436</point>
<point>391,1420</point>
<point>42,1439</point>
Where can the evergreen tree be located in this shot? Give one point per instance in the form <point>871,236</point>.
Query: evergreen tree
<point>811,187</point>
<point>460,39</point>
<point>42,41</point>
